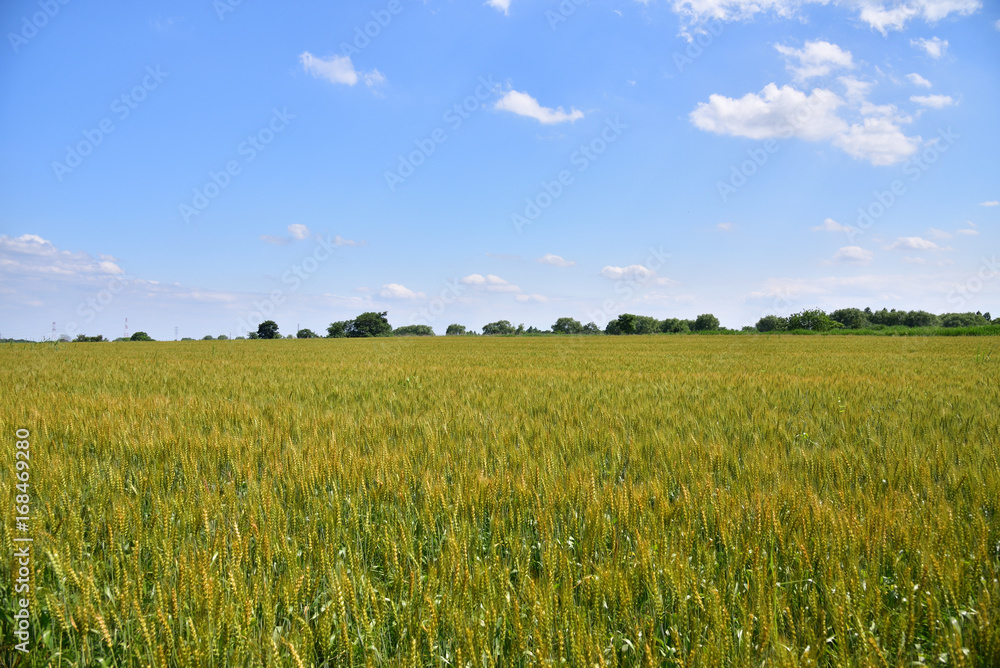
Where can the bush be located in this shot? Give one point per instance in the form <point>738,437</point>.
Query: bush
<point>455,330</point>
<point>306,334</point>
<point>140,336</point>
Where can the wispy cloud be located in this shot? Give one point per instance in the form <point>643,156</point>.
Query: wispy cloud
<point>933,101</point>
<point>853,255</point>
<point>501,5</point>
<point>912,243</point>
<point>338,70</point>
<point>935,47</point>
<point>397,291</point>
<point>555,261</point>
<point>815,59</point>
<point>523,104</point>
<point>918,80</point>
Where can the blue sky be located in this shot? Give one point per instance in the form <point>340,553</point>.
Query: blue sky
<point>203,165</point>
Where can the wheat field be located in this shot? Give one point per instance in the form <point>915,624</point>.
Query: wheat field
<point>475,501</point>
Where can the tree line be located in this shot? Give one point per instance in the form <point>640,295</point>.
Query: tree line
<point>376,324</point>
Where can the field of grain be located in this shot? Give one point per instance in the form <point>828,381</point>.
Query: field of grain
<point>610,501</point>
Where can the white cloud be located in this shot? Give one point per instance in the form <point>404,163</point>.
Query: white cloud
<point>633,272</point>
<point>555,261</point>
<point>933,101</point>
<point>337,70</point>
<point>882,15</point>
<point>29,255</point>
<point>298,231</point>
<point>997,24</point>
<point>939,234</point>
<point>725,226</point>
<point>830,225</point>
<point>915,260</point>
<point>523,104</point>
<point>935,47</point>
<point>918,80</point>
<point>990,203</point>
<point>397,291</point>
<point>491,282</point>
<point>853,255</point>
<point>856,90</point>
<point>774,112</point>
<point>968,231</point>
<point>501,5</point>
<point>815,59</point>
<point>531,298</point>
<point>912,243</point>
<point>877,140</point>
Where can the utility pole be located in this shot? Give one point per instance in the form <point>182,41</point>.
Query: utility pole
<point>126,327</point>
<point>175,333</point>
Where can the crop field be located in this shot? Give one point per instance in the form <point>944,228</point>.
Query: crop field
<point>477,501</point>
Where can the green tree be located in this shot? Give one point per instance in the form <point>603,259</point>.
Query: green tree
<point>674,326</point>
<point>222,337</point>
<point>814,320</point>
<point>413,330</point>
<point>306,334</point>
<point>851,318</point>
<point>622,325</point>
<point>921,319</point>
<point>250,335</point>
<point>338,330</point>
<point>208,337</point>
<point>772,323</point>
<point>591,328</point>
<point>706,322</point>
<point>455,330</point>
<point>140,336</point>
<point>963,320</point>
<point>500,327</point>
<point>887,318</point>
<point>267,330</point>
<point>82,338</point>
<point>567,326</point>
<point>370,324</point>
<point>645,324</point>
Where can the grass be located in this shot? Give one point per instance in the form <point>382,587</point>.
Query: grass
<point>470,501</point>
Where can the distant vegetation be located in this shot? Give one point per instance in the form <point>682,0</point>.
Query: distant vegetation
<point>810,321</point>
